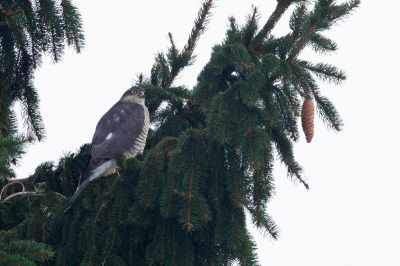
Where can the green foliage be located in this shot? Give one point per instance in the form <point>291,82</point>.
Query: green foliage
<point>208,159</point>
<point>29,29</point>
<point>11,149</point>
<point>23,252</point>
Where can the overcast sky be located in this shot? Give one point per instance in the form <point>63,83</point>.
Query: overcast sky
<point>351,214</point>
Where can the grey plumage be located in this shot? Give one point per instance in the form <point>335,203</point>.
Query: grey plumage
<point>125,127</point>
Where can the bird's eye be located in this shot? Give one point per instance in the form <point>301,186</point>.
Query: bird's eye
<point>133,92</point>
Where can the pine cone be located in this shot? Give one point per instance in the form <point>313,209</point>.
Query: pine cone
<point>307,118</point>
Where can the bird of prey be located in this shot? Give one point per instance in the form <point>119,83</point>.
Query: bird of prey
<point>123,127</point>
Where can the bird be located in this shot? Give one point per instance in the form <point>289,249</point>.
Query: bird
<point>123,127</point>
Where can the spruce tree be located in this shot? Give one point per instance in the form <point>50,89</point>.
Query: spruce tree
<point>28,30</point>
<point>209,156</point>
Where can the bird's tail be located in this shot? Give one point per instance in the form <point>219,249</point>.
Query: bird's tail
<point>76,194</point>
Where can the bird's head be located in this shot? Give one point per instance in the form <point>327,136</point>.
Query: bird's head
<point>134,94</point>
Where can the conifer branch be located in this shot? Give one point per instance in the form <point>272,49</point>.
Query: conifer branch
<point>299,12</point>
<point>328,111</point>
<point>24,252</point>
<point>301,44</point>
<point>280,9</point>
<point>189,224</point>
<point>63,4</point>
<point>301,93</point>
<point>287,119</point>
<point>263,222</point>
<point>254,16</point>
<point>297,174</point>
<point>56,56</point>
<point>326,72</point>
<point>328,14</point>
<point>186,55</point>
<point>290,98</point>
<point>173,48</point>
<point>250,27</point>
<point>109,250</point>
<point>93,235</point>
<point>301,81</point>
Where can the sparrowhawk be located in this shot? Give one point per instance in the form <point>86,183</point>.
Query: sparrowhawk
<point>123,127</point>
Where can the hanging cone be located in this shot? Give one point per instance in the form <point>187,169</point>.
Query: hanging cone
<point>307,118</point>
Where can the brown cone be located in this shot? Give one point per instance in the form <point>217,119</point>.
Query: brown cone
<point>307,118</point>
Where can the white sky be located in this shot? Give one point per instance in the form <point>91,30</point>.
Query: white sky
<point>351,214</point>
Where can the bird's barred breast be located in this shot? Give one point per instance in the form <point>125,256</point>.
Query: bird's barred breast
<point>140,142</point>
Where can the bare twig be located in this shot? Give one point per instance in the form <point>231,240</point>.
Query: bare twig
<point>25,193</point>
<point>2,190</point>
<point>38,192</point>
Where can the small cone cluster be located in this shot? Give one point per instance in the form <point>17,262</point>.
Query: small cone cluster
<point>307,118</point>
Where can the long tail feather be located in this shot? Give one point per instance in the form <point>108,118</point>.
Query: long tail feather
<point>76,194</point>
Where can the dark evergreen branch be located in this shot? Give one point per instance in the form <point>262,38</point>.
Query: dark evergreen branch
<point>73,25</point>
<point>322,44</point>
<point>9,13</point>
<point>324,16</point>
<point>281,7</point>
<point>186,55</point>
<point>32,118</point>
<point>264,222</point>
<point>297,88</point>
<point>22,252</point>
<point>303,41</point>
<point>54,48</point>
<point>12,148</point>
<point>63,4</point>
<point>323,71</point>
<point>285,150</point>
<point>200,25</point>
<point>299,76</point>
<point>173,48</point>
<point>285,115</point>
<point>110,249</point>
<point>250,27</point>
<point>16,144</point>
<point>327,111</point>
<point>293,170</point>
<point>296,20</point>
<point>286,80</point>
<point>341,12</point>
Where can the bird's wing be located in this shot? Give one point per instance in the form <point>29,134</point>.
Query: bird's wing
<point>118,129</point>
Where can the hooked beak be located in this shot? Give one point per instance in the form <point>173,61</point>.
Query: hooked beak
<point>141,95</point>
